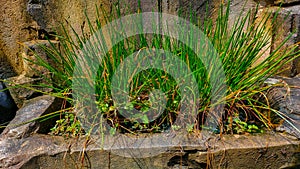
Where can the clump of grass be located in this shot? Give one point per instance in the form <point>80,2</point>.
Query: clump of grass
<point>239,47</point>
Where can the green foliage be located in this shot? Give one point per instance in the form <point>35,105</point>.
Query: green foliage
<point>68,126</point>
<point>239,48</point>
<point>236,125</point>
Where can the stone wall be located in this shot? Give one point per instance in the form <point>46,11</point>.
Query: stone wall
<point>21,20</point>
<point>289,20</point>
<point>26,20</point>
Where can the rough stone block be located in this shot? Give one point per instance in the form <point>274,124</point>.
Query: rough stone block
<point>33,51</point>
<point>288,22</point>
<point>13,19</point>
<point>265,2</point>
<point>184,7</point>
<point>231,151</point>
<point>36,10</point>
<point>23,125</point>
<point>21,88</point>
<point>150,6</point>
<point>286,99</point>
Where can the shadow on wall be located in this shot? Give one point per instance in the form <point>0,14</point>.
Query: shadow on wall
<point>8,107</point>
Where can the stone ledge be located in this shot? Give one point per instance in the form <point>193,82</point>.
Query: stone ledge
<point>231,151</point>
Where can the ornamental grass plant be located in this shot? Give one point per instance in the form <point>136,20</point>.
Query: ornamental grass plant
<point>239,47</point>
